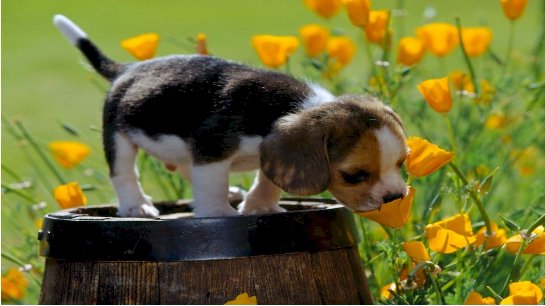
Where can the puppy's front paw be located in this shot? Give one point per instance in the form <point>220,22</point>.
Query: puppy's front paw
<point>246,208</point>
<point>144,210</point>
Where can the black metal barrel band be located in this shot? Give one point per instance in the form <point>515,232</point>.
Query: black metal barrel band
<point>95,234</point>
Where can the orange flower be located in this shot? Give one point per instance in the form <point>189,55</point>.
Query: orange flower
<point>243,299</point>
<point>416,250</point>
<point>324,8</point>
<point>410,51</point>
<point>451,234</point>
<point>496,121</point>
<point>461,81</point>
<point>537,246</point>
<point>201,47</point>
<point>315,39</point>
<point>419,277</point>
<point>143,46</point>
<point>393,214</point>
<point>437,93</point>
<point>439,38</point>
<point>69,195</point>
<point>523,293</point>
<point>425,157</point>
<point>476,40</point>
<point>377,28</point>
<point>497,239</point>
<point>274,50</point>
<point>69,153</point>
<point>340,50</point>
<point>14,285</point>
<point>385,293</point>
<point>358,11</point>
<point>474,298</point>
<point>513,9</point>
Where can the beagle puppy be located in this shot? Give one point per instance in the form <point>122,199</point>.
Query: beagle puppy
<point>207,116</point>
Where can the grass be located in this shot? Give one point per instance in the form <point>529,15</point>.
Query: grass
<point>45,87</point>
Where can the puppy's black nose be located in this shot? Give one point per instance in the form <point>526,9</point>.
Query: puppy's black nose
<point>393,196</point>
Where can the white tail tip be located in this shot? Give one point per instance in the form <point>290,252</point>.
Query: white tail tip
<point>69,29</point>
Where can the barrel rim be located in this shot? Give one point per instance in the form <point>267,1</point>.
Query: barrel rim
<point>73,235</point>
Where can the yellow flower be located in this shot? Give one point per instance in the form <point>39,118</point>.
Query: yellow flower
<point>201,47</point>
<point>14,285</point>
<point>419,277</point>
<point>324,8</point>
<point>274,50</point>
<point>525,160</point>
<point>358,11</point>
<point>393,214</point>
<point>537,246</point>
<point>523,293</point>
<point>377,28</point>
<point>143,46</point>
<point>437,93</point>
<point>315,39</point>
<point>340,50</point>
<point>69,195</point>
<point>474,298</point>
<point>461,81</point>
<point>416,250</point>
<point>513,9</point>
<point>69,153</point>
<point>497,239</point>
<point>410,51</point>
<point>243,299</point>
<point>496,121</point>
<point>451,234</point>
<point>425,157</point>
<point>385,294</point>
<point>487,92</point>
<point>439,38</point>
<point>476,40</point>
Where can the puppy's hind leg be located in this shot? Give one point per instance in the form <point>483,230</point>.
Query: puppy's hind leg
<point>121,156</point>
<point>262,198</point>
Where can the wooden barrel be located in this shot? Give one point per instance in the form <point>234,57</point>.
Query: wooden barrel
<point>307,255</point>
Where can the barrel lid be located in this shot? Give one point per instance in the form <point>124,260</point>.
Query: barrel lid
<point>95,233</point>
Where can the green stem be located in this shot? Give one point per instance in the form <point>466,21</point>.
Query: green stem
<point>538,222</point>
<point>20,193</point>
<point>438,291</point>
<point>496,296</point>
<point>466,57</point>
<point>475,198</point>
<point>40,152</point>
<point>452,136</point>
<point>513,266</point>
<point>509,46</point>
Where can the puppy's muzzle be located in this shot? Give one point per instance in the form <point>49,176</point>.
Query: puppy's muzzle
<point>393,196</point>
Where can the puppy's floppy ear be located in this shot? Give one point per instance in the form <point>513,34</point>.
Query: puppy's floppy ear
<point>294,155</point>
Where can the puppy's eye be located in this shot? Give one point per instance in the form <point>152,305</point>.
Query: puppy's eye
<point>355,178</point>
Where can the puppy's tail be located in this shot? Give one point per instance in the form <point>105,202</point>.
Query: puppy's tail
<point>76,36</point>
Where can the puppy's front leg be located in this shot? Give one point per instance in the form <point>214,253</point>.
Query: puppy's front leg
<point>262,198</point>
<point>210,184</point>
<point>124,176</point>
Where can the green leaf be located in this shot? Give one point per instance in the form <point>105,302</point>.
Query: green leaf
<point>510,224</point>
<point>485,184</point>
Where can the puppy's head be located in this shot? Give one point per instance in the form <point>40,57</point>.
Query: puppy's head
<point>353,147</point>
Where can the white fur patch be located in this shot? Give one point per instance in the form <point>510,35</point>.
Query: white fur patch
<point>69,29</point>
<point>318,96</point>
<point>167,148</point>
<point>392,149</point>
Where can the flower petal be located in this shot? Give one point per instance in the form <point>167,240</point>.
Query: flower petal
<point>416,250</point>
<point>394,214</point>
